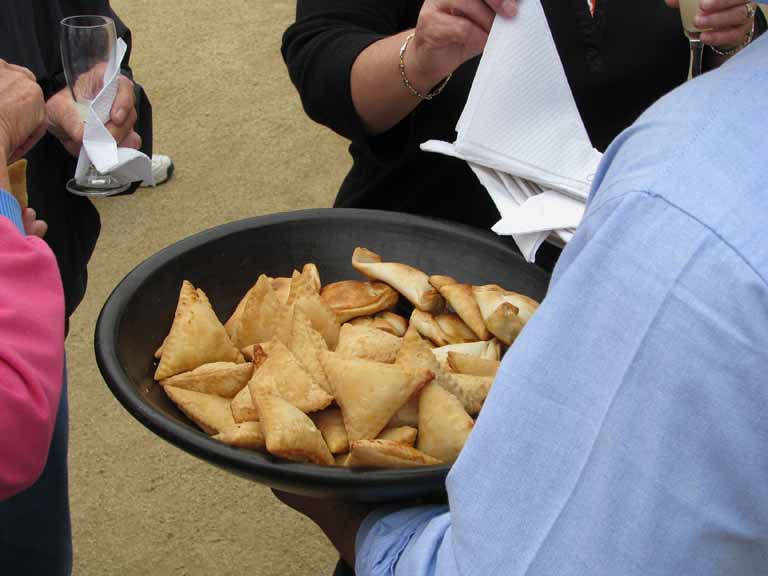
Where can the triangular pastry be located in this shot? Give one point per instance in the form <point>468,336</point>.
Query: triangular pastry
<point>310,270</point>
<point>504,312</point>
<point>282,375</point>
<point>243,408</point>
<point>468,364</point>
<point>368,343</point>
<point>386,454</point>
<point>331,423</point>
<point>223,379</point>
<point>290,433</point>
<point>17,177</point>
<point>211,413</point>
<point>455,329</point>
<point>302,284</point>
<point>282,288</point>
<point>352,298</point>
<point>196,337</point>
<point>306,342</point>
<point>245,323</point>
<point>407,280</point>
<point>246,435</point>
<point>322,317</point>
<point>370,393</point>
<point>461,299</point>
<point>387,321</point>
<point>473,348</point>
<point>444,425</point>
<point>159,352</point>
<point>470,390</point>
<point>402,434</point>
<point>428,327</point>
<point>234,318</point>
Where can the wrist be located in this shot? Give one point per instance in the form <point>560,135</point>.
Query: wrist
<point>418,68</point>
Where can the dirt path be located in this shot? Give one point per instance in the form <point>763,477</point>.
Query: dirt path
<point>225,111</point>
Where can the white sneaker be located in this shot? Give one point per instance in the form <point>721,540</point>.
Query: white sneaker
<point>162,168</point>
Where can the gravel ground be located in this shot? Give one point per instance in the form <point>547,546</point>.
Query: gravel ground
<point>226,112</point>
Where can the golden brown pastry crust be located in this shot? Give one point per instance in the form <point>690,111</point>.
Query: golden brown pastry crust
<point>291,434</point>
<point>223,379</point>
<point>444,425</point>
<point>370,393</point>
<point>209,412</point>
<point>247,435</point>
<point>368,343</point>
<point>386,454</point>
<point>407,280</point>
<point>196,337</point>
<point>352,298</point>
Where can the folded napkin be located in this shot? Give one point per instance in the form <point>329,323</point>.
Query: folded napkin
<point>522,134</point>
<point>99,147</point>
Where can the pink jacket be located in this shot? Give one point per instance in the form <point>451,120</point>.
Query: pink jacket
<point>31,356</point>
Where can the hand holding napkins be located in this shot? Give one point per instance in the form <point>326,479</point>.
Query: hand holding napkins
<point>522,134</point>
<point>99,147</point>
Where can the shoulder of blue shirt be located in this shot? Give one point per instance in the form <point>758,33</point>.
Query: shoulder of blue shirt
<point>9,207</point>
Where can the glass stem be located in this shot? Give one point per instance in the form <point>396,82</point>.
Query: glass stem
<point>697,57</point>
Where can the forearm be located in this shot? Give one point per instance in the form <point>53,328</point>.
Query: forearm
<point>379,94</point>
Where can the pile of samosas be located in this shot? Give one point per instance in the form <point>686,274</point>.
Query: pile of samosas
<point>332,375</point>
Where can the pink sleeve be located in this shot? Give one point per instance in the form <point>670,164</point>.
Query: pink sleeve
<point>31,356</point>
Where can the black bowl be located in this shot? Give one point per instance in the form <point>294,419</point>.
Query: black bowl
<point>226,261</point>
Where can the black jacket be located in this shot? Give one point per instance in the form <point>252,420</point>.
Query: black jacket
<point>617,63</point>
<point>29,36</point>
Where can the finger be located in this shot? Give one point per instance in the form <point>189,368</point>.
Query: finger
<point>460,31</point>
<point>673,3</point>
<point>133,140</point>
<point>479,13</point>
<point>38,228</point>
<point>717,5</point>
<point>28,216</point>
<point>506,8</point>
<point>728,18</point>
<point>124,101</point>
<point>724,37</point>
<point>121,131</point>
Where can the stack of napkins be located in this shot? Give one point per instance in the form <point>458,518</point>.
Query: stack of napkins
<point>126,165</point>
<point>522,134</point>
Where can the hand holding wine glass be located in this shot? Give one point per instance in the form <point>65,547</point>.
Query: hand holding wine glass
<point>89,57</point>
<point>726,25</point>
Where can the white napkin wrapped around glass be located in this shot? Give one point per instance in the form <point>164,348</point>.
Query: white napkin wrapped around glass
<point>522,134</point>
<point>126,165</point>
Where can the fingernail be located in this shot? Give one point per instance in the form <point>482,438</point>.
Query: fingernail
<point>509,7</point>
<point>120,115</point>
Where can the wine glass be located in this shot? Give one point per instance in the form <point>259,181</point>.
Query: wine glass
<point>688,9</point>
<point>89,57</point>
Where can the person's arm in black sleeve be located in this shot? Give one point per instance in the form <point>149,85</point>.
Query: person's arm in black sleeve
<point>320,49</point>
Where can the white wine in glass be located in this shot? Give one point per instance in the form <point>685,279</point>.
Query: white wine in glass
<point>688,9</point>
<point>89,54</point>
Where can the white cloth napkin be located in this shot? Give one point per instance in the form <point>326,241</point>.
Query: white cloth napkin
<point>522,134</point>
<point>124,164</point>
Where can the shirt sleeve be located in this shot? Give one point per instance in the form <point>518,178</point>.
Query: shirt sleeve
<point>607,446</point>
<point>31,350</point>
<point>320,48</point>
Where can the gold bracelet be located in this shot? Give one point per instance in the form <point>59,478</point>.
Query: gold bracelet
<point>432,93</point>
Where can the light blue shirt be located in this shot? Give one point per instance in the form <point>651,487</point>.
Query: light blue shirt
<point>627,431</point>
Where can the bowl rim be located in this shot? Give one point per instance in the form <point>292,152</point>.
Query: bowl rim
<point>197,442</point>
